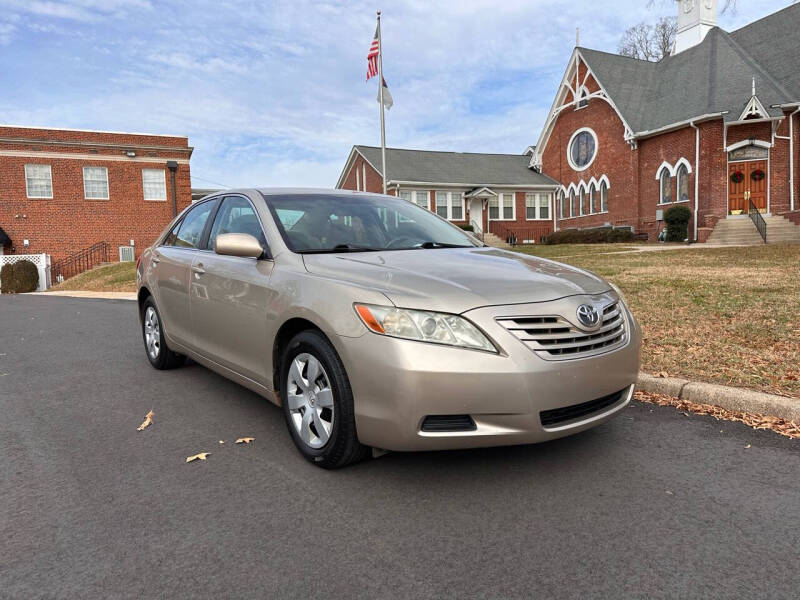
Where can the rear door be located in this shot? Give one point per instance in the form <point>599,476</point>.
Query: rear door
<point>172,262</point>
<point>230,295</point>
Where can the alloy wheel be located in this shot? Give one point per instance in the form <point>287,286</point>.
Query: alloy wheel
<point>310,400</point>
<point>152,333</point>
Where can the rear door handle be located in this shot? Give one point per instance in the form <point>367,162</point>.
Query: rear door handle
<point>156,260</point>
<point>198,269</point>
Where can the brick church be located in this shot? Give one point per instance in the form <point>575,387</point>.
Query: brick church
<point>714,126</point>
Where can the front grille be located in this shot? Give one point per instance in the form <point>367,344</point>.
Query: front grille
<point>440,423</point>
<point>576,411</point>
<point>555,338</point>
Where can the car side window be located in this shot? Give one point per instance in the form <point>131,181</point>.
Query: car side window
<point>191,228</point>
<point>236,215</point>
<point>173,235</point>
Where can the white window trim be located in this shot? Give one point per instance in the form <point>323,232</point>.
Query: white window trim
<point>500,206</point>
<point>580,98</point>
<point>451,200</point>
<point>358,180</point>
<point>108,187</point>
<point>166,192</point>
<point>416,195</point>
<point>661,172</point>
<point>572,165</point>
<point>50,171</point>
<point>575,189</point>
<point>678,165</point>
<point>536,208</point>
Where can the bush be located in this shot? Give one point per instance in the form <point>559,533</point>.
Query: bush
<point>677,220</point>
<point>19,277</point>
<point>598,235</point>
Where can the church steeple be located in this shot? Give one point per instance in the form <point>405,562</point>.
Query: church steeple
<point>695,19</point>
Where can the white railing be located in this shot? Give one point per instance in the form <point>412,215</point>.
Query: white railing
<point>42,262</point>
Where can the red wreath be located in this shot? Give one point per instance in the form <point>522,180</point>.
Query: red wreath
<point>737,177</point>
<point>757,175</point>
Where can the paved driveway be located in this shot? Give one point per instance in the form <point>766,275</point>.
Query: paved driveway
<point>653,504</point>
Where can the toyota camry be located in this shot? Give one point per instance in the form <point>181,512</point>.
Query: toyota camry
<point>377,325</point>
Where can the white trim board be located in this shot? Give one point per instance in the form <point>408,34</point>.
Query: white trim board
<point>92,157</point>
<point>39,128</point>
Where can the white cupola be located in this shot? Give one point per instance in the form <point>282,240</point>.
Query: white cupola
<point>695,20</point>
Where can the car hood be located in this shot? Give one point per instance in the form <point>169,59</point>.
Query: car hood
<point>456,279</point>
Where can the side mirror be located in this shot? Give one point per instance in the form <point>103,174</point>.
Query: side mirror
<point>238,244</point>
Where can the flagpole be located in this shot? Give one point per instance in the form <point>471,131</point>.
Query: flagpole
<point>380,101</point>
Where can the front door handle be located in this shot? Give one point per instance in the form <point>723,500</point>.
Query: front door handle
<point>198,269</point>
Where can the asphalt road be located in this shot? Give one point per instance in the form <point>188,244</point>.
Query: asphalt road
<point>652,504</point>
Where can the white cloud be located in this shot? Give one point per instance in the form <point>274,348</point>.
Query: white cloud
<point>274,93</point>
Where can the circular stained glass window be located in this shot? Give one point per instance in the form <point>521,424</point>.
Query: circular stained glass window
<point>582,149</point>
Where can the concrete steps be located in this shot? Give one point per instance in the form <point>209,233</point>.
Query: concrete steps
<point>781,230</point>
<point>741,231</point>
<point>495,241</point>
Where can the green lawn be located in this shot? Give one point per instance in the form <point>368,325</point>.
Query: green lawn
<point>723,315</point>
<point>116,277</point>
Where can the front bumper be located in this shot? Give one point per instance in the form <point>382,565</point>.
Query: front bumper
<point>397,383</point>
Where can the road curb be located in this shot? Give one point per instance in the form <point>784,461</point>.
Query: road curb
<point>730,398</point>
<point>83,294</point>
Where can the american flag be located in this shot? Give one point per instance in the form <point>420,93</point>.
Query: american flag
<point>372,56</point>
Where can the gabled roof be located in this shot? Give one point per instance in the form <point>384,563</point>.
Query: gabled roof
<point>4,239</point>
<point>713,77</point>
<point>467,168</point>
<point>773,42</point>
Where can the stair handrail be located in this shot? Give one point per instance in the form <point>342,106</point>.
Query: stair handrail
<point>508,236</point>
<point>758,220</point>
<point>80,261</point>
<point>477,231</point>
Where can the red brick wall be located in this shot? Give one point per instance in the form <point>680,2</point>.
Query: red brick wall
<point>669,147</point>
<point>68,222</point>
<point>614,158</point>
<point>374,182</point>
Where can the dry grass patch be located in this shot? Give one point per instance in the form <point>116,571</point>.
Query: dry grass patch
<point>116,277</point>
<point>723,315</point>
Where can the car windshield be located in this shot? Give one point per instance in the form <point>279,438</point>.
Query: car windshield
<point>314,223</point>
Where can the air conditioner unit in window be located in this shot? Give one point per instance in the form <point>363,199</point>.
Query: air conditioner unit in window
<point>126,254</point>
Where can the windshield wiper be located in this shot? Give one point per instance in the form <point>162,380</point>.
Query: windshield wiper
<point>341,248</point>
<point>443,245</point>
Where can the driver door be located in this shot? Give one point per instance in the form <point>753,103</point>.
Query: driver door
<point>230,295</point>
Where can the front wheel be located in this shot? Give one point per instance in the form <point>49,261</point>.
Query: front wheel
<point>318,402</point>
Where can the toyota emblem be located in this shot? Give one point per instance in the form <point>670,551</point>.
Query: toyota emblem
<point>588,316</point>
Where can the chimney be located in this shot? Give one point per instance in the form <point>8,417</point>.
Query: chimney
<point>695,19</point>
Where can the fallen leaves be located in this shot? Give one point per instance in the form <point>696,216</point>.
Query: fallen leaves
<point>244,440</point>
<point>148,420</point>
<point>200,456</point>
<point>780,426</point>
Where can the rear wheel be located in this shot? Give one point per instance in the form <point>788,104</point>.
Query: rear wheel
<point>318,402</point>
<point>155,346</point>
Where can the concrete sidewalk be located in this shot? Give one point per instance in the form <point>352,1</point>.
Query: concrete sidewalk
<point>83,294</point>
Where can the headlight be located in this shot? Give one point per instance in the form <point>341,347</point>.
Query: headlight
<point>424,326</point>
<point>619,293</point>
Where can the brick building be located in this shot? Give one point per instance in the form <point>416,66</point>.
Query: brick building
<point>714,126</point>
<point>65,190</point>
<point>491,193</point>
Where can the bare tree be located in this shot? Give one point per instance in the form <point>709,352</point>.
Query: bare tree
<point>649,42</point>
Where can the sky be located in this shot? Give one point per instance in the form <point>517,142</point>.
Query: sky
<point>274,93</point>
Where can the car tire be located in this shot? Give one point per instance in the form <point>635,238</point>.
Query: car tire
<point>155,345</point>
<point>318,402</point>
